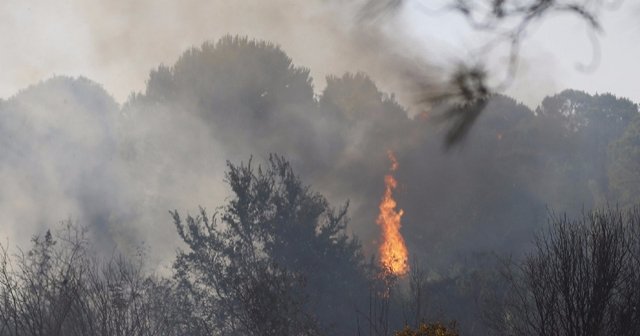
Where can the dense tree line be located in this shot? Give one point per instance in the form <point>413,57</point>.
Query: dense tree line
<point>117,169</point>
<point>113,166</point>
<point>276,260</point>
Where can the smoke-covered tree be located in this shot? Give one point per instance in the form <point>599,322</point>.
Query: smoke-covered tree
<point>274,261</point>
<point>58,156</point>
<point>624,166</point>
<point>591,123</point>
<point>41,292</point>
<point>457,295</point>
<point>235,85</point>
<point>58,287</point>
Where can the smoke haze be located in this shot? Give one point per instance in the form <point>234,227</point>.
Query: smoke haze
<point>118,42</point>
<point>73,152</point>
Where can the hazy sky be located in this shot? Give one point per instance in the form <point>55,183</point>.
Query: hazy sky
<point>117,43</point>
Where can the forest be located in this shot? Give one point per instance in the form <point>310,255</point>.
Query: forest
<point>233,197</point>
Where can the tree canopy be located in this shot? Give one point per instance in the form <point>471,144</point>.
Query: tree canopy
<point>273,260</point>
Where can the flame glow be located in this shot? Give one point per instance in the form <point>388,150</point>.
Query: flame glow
<point>393,251</point>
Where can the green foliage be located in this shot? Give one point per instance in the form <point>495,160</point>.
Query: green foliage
<point>275,258</point>
<point>235,83</point>
<point>592,123</point>
<point>276,243</point>
<point>624,166</point>
<point>429,329</point>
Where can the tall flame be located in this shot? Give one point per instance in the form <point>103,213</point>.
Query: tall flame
<point>393,251</point>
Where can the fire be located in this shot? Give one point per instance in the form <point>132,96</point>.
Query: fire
<point>393,251</point>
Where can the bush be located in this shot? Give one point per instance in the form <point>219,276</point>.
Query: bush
<point>429,329</point>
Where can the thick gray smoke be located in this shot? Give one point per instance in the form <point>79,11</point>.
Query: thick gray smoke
<point>59,158</point>
<point>71,152</point>
<point>129,165</point>
<point>117,42</point>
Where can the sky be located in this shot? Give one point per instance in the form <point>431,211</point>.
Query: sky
<point>553,52</point>
<point>117,43</point>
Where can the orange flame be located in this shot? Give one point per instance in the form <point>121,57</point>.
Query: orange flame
<point>393,252</point>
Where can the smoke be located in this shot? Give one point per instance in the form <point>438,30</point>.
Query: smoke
<point>73,152</point>
<point>117,42</point>
<point>59,148</point>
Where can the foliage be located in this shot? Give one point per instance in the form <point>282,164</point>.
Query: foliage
<point>575,151</point>
<point>429,329</point>
<point>592,123</point>
<point>624,166</point>
<point>235,83</point>
<point>274,259</point>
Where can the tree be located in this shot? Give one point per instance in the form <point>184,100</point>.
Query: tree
<point>431,329</point>
<point>593,122</point>
<point>579,280</point>
<point>624,166</point>
<point>274,261</point>
<point>39,296</point>
<point>58,288</point>
<point>458,295</point>
<point>234,84</point>
<point>54,123</point>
